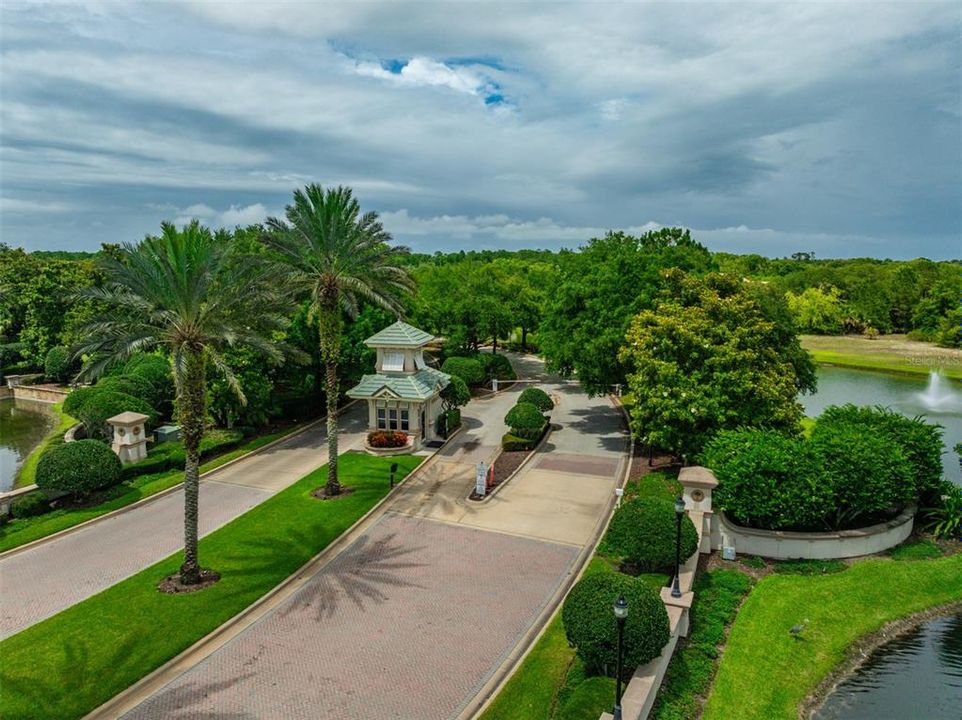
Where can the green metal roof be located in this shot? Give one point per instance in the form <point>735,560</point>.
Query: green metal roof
<point>400,334</point>
<point>418,386</point>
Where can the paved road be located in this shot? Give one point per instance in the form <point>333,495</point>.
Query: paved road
<point>42,581</point>
<point>413,618</point>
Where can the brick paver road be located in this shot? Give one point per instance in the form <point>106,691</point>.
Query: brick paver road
<point>41,581</point>
<point>416,615</point>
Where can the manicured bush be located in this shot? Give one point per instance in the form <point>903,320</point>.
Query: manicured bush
<point>868,475</point>
<point>642,533</point>
<point>496,366</point>
<point>77,468</point>
<point>129,385</point>
<point>35,503</point>
<point>525,420</point>
<point>513,443</point>
<point>106,403</point>
<point>767,480</point>
<point>387,439</point>
<point>156,370</point>
<point>467,369</point>
<point>57,364</point>
<point>172,456</point>
<point>452,419</point>
<point>456,394</point>
<point>920,441</point>
<point>78,397</point>
<point>590,625</point>
<point>537,397</point>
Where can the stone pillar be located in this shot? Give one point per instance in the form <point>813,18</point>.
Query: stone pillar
<point>697,484</point>
<point>130,438</point>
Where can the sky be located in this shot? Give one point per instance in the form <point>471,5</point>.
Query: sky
<point>764,127</point>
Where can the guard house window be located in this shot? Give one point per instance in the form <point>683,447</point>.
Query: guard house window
<point>392,418</point>
<point>381,422</point>
<point>405,424</point>
<point>393,362</point>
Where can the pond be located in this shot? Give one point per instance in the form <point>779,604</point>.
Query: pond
<point>938,398</point>
<point>917,675</point>
<point>23,424</point>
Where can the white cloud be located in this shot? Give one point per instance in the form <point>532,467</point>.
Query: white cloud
<point>231,217</point>
<point>21,205</point>
<point>421,71</point>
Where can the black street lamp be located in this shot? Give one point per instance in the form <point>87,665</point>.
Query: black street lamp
<point>393,471</point>
<point>621,614</point>
<point>679,513</point>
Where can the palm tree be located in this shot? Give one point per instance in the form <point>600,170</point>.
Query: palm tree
<point>335,254</point>
<point>193,295</point>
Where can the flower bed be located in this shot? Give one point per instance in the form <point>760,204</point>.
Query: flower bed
<point>387,442</point>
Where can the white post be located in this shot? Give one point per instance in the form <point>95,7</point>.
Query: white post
<point>481,479</point>
<point>494,384</point>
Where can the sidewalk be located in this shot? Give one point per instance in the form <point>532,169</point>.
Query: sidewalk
<point>41,581</point>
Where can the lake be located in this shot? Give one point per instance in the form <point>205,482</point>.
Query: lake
<point>913,677</point>
<point>23,424</point>
<point>938,398</point>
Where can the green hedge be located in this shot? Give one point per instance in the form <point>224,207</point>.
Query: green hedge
<point>78,397</point>
<point>156,370</point>
<point>134,385</point>
<point>57,364</point>
<point>467,369</point>
<point>643,531</point>
<point>77,468</point>
<point>35,503</point>
<point>103,404</point>
<point>537,397</point>
<point>525,420</point>
<point>590,625</point>
<point>171,455</point>
<point>496,366</point>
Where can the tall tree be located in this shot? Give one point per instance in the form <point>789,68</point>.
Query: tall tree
<point>194,296</point>
<point>336,254</point>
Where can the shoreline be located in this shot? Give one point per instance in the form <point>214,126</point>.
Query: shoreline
<point>887,353</point>
<point>860,651</point>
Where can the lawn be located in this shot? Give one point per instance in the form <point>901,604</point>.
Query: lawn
<point>765,673</point>
<point>69,664</point>
<point>20,531</point>
<point>28,471</point>
<point>894,353</point>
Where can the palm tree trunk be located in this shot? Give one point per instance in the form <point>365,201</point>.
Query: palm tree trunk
<point>191,411</point>
<point>330,337</point>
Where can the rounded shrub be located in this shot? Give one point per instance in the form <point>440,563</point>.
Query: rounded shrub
<point>77,397</point>
<point>456,393</point>
<point>56,365</point>
<point>525,420</point>
<point>156,370</point>
<point>77,468</point>
<point>642,532</point>
<point>467,369</point>
<point>35,503</point>
<point>537,397</point>
<point>868,476</point>
<point>103,404</point>
<point>497,366</point>
<point>590,625</point>
<point>129,385</point>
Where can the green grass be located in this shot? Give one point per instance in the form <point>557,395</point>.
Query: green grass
<point>922,549</point>
<point>71,663</point>
<point>765,674</point>
<point>20,531</point>
<point>658,484</point>
<point>809,567</point>
<point>887,353</point>
<point>27,475</point>
<point>717,596</point>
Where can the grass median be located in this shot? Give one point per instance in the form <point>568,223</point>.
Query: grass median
<point>21,531</point>
<point>69,664</point>
<point>766,673</point>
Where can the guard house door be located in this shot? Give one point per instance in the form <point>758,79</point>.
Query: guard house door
<point>424,431</point>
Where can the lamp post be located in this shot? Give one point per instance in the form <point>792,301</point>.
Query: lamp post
<point>621,614</point>
<point>679,513</point>
<point>393,471</point>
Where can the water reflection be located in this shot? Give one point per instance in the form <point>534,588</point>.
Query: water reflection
<point>917,676</point>
<point>23,424</point>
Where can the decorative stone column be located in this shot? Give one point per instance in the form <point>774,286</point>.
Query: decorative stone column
<point>697,483</point>
<point>130,438</point>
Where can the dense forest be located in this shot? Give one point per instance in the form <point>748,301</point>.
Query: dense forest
<point>575,307</point>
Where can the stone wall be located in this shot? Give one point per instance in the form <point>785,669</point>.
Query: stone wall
<point>40,393</point>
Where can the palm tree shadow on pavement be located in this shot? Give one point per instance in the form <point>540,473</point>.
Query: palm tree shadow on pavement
<point>363,574</point>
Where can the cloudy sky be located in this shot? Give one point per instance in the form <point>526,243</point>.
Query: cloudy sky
<point>764,127</point>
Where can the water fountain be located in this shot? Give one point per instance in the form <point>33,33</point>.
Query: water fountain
<point>938,397</point>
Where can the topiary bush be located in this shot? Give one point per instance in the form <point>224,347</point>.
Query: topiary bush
<point>642,533</point>
<point>868,475</point>
<point>467,369</point>
<point>99,406</point>
<point>513,443</point>
<point>30,505</point>
<point>57,364</point>
<point>525,420</point>
<point>496,366</point>
<point>78,397</point>
<point>920,441</point>
<point>537,397</point>
<point>590,625</point>
<point>156,370</point>
<point>77,468</point>
<point>455,393</point>
<point>129,385</point>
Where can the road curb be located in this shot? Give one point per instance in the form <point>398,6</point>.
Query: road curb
<point>163,493</point>
<point>148,685</point>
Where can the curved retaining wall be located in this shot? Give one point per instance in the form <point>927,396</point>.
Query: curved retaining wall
<point>785,545</point>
